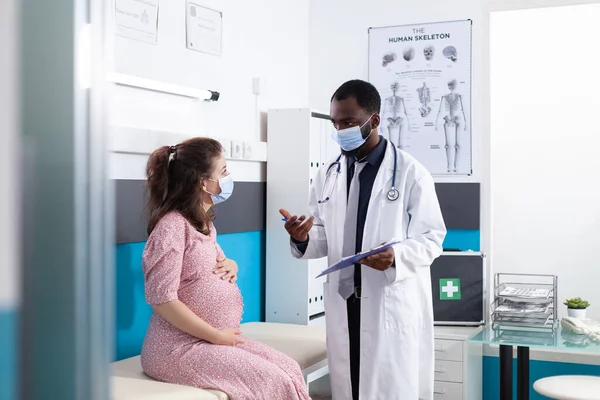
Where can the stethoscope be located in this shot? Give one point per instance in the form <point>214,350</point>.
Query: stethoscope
<point>392,194</point>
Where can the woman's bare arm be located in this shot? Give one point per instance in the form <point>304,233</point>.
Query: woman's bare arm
<point>180,316</point>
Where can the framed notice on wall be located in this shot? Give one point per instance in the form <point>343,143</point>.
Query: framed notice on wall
<point>423,74</point>
<point>137,20</point>
<point>204,29</point>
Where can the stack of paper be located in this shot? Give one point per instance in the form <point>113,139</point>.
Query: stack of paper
<point>521,308</point>
<point>525,292</point>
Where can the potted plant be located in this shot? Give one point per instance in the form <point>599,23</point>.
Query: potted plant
<point>576,307</point>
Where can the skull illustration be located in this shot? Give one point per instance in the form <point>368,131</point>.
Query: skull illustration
<point>394,86</point>
<point>429,52</point>
<point>450,53</point>
<point>388,58</point>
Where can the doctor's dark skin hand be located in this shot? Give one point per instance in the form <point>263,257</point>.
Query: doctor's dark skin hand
<point>380,261</point>
<point>298,228</point>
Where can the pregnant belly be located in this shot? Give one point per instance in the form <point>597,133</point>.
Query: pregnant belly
<point>216,301</point>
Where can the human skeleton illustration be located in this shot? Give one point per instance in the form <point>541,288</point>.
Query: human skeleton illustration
<point>394,111</point>
<point>425,99</point>
<point>428,52</point>
<point>450,53</point>
<point>408,53</point>
<point>453,113</point>
<point>388,58</point>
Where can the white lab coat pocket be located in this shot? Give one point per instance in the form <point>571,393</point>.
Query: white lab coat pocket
<point>400,304</point>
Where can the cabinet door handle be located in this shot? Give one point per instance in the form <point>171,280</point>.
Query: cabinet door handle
<point>440,349</point>
<point>441,370</point>
<point>439,391</point>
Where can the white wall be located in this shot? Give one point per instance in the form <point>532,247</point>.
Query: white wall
<point>546,145</point>
<point>9,160</point>
<point>264,38</point>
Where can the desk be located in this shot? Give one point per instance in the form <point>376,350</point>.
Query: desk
<point>558,340</point>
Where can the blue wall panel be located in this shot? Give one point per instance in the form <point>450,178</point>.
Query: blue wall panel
<point>132,312</point>
<point>8,355</point>
<point>462,239</point>
<point>538,370</point>
<point>248,250</point>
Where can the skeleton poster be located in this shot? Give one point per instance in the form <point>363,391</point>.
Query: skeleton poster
<point>423,74</point>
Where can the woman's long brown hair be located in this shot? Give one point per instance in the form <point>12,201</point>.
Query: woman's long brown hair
<point>174,182</point>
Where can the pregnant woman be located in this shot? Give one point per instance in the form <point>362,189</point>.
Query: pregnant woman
<point>194,336</point>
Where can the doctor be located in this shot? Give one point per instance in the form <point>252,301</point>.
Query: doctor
<point>379,313</point>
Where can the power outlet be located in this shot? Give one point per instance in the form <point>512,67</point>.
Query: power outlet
<point>247,151</point>
<point>226,144</point>
<point>237,149</point>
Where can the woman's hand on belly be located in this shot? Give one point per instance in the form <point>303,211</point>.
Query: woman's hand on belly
<point>229,337</point>
<point>228,268</point>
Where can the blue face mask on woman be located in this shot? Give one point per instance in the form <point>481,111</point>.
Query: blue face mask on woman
<point>226,185</point>
<point>351,138</point>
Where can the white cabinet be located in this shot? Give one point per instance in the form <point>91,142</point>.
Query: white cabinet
<point>448,391</point>
<point>449,371</point>
<point>457,364</point>
<point>298,142</point>
<point>448,350</point>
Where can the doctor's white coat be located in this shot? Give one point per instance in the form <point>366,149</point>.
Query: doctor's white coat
<point>396,339</point>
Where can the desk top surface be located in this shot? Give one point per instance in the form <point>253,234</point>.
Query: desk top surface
<point>455,332</point>
<point>559,339</point>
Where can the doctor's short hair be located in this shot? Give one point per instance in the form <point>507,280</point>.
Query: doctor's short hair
<point>365,93</point>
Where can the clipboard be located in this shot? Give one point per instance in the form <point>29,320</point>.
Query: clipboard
<point>351,260</point>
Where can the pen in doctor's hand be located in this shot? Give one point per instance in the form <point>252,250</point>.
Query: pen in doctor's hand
<point>298,221</point>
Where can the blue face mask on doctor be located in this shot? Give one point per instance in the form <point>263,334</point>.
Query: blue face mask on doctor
<point>351,138</point>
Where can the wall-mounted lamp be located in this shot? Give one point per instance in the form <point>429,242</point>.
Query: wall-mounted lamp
<point>156,86</point>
